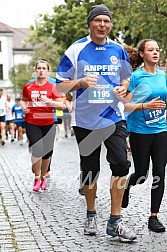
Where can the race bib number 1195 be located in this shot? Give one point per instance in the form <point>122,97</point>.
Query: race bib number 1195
<point>100,94</point>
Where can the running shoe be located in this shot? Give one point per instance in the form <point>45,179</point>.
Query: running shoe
<point>21,142</point>
<point>44,185</point>
<point>120,230</point>
<point>72,132</point>
<point>3,142</point>
<point>37,185</point>
<point>7,137</point>
<point>90,226</point>
<point>155,225</point>
<point>81,192</point>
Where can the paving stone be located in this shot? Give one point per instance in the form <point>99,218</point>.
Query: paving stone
<point>53,220</point>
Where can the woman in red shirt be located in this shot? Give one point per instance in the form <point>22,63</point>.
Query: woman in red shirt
<point>39,100</point>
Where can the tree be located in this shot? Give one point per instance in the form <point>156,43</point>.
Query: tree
<point>53,34</point>
<point>141,19</point>
<point>133,21</point>
<point>64,27</point>
<point>19,75</point>
<point>47,50</point>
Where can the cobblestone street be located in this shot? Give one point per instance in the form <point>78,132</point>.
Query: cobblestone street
<point>53,220</point>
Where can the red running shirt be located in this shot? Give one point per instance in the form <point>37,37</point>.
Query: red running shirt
<point>40,113</point>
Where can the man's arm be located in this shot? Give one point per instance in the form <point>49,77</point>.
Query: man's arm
<point>72,85</point>
<point>68,86</point>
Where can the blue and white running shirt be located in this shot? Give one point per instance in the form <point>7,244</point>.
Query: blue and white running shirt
<point>95,108</point>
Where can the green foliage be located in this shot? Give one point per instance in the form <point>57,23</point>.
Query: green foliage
<point>48,50</point>
<point>64,27</point>
<point>19,75</point>
<point>132,21</point>
<point>141,19</point>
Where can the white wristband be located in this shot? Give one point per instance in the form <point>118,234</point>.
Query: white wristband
<point>52,102</point>
<point>80,83</point>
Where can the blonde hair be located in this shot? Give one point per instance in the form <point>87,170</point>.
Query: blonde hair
<point>43,61</point>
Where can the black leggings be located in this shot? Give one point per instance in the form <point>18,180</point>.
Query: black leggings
<point>144,147</point>
<point>41,139</point>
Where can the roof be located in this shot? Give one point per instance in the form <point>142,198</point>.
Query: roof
<point>19,36</point>
<point>5,28</point>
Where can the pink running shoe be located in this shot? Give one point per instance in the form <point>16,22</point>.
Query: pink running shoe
<point>37,185</point>
<point>44,185</point>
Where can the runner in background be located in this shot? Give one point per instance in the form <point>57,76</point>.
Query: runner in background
<point>3,108</point>
<point>40,98</point>
<point>19,120</point>
<point>10,127</point>
<point>56,120</point>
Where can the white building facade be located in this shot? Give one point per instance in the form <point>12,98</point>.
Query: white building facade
<point>12,51</point>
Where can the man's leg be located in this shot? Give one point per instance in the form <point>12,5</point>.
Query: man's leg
<point>90,195</point>
<point>3,132</point>
<point>117,157</point>
<point>115,226</point>
<point>89,173</point>
<point>90,227</point>
<point>11,126</point>
<point>89,181</point>
<point>117,187</point>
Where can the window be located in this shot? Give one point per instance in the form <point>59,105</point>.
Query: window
<point>1,72</point>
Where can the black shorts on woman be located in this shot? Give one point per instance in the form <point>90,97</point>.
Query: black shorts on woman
<point>41,139</point>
